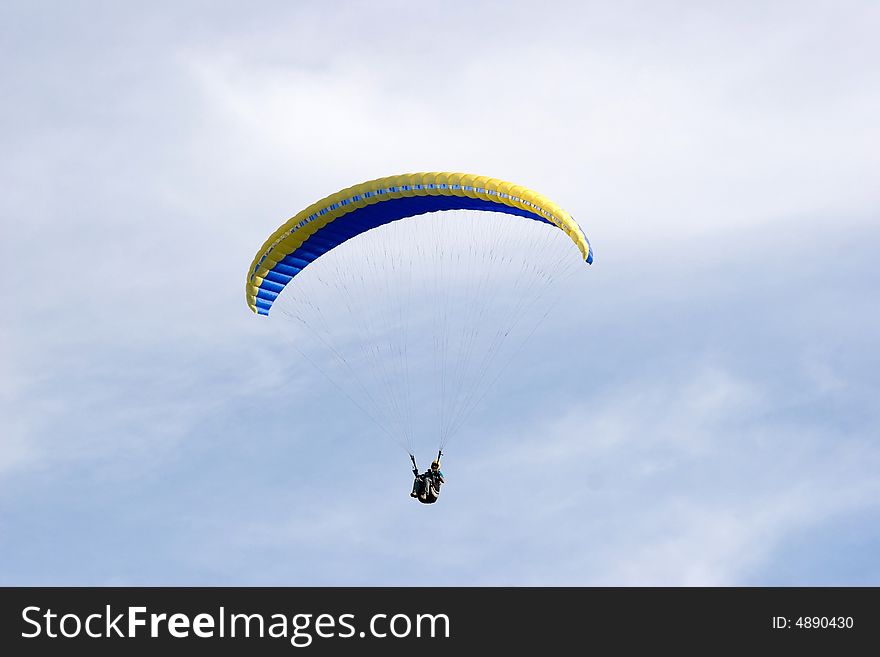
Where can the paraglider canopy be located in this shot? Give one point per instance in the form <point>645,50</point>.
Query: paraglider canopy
<point>337,218</point>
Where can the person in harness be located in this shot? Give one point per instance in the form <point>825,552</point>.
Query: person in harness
<point>426,486</point>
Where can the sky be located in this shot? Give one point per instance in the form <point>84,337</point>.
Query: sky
<point>700,411</point>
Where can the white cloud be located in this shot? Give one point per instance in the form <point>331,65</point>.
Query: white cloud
<point>642,138</point>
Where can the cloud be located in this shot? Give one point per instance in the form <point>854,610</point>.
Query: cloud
<point>692,479</point>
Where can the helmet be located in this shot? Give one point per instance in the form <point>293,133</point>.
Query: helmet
<point>435,465</point>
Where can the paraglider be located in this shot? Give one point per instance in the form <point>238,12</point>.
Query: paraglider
<point>412,293</point>
<point>426,486</point>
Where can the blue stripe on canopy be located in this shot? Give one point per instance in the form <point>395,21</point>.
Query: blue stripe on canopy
<point>364,219</point>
